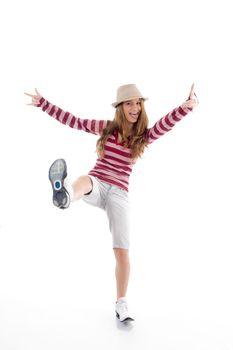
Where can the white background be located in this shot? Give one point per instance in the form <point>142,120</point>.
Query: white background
<point>57,284</point>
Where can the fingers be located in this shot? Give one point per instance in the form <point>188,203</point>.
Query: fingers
<point>191,95</point>
<point>29,94</point>
<point>35,98</point>
<point>193,98</point>
<point>37,92</point>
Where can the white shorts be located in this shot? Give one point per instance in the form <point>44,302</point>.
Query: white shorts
<point>115,202</point>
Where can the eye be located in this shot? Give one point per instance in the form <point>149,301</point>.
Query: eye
<point>128,103</point>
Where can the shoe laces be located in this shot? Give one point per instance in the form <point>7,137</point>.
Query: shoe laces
<point>123,307</point>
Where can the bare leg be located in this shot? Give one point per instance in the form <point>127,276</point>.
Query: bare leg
<point>122,271</point>
<point>81,186</point>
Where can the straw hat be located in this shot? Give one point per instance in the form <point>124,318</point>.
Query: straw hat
<point>126,93</point>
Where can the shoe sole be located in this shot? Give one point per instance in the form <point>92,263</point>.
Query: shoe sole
<point>57,175</point>
<point>127,319</point>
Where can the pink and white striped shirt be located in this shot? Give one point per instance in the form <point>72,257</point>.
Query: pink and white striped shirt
<point>116,166</point>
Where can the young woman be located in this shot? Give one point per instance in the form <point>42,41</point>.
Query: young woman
<point>121,142</point>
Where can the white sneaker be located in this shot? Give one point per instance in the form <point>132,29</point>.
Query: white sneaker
<point>122,312</point>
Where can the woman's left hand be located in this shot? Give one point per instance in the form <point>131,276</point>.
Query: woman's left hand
<point>192,101</point>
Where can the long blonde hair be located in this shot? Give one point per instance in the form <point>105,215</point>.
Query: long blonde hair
<point>137,140</point>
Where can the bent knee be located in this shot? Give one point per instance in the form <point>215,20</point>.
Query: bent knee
<point>84,178</point>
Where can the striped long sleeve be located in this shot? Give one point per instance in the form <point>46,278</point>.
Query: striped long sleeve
<point>117,163</point>
<point>92,126</point>
<point>165,124</point>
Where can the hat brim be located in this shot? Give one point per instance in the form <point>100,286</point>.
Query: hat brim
<point>115,104</point>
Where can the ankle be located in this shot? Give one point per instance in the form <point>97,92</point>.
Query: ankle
<point>121,299</point>
<point>70,190</point>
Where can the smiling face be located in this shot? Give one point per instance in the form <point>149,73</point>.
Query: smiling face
<point>132,110</point>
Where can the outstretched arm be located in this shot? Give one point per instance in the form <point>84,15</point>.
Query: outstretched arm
<point>93,126</point>
<point>166,123</point>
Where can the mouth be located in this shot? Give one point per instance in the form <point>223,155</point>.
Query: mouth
<point>134,115</point>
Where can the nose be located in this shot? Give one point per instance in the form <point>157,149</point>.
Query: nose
<point>135,106</point>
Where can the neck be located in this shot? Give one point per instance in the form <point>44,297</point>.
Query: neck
<point>128,129</point>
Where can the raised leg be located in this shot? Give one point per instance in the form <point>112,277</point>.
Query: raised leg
<point>81,186</point>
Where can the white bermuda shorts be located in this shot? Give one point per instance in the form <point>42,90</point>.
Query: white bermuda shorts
<point>115,202</point>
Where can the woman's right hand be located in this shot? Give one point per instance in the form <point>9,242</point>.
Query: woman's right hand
<point>35,98</point>
<point>192,100</point>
